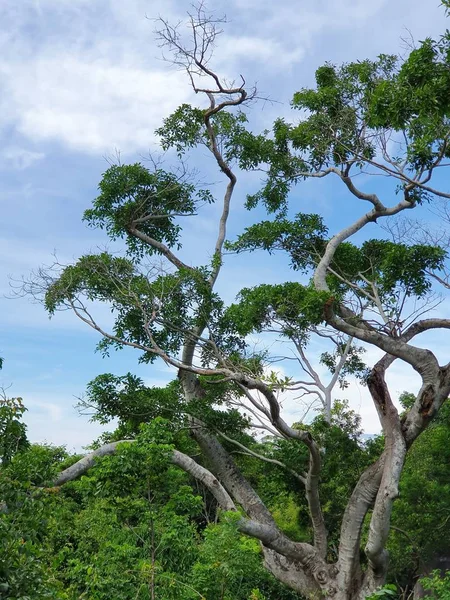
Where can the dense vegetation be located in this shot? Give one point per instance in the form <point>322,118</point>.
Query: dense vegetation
<point>136,527</point>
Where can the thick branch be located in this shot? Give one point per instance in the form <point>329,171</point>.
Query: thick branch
<point>360,502</point>
<point>313,475</point>
<point>395,453</point>
<point>179,459</point>
<point>371,487</point>
<point>422,360</point>
<point>232,479</point>
<point>263,529</point>
<point>336,240</point>
<point>378,485</point>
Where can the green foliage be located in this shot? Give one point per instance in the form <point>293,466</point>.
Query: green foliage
<point>294,306</point>
<point>186,128</point>
<point>395,270</point>
<point>303,238</point>
<point>229,567</point>
<point>437,586</point>
<point>159,309</point>
<point>416,99</point>
<point>330,135</point>
<point>289,517</point>
<point>387,592</point>
<point>393,267</point>
<point>23,572</point>
<point>183,129</point>
<point>128,399</point>
<point>344,115</point>
<point>225,562</point>
<point>132,197</point>
<point>344,458</point>
<point>25,559</point>
<point>407,399</point>
<point>12,430</point>
<point>97,276</point>
<point>133,526</point>
<point>97,536</point>
<point>37,464</point>
<point>124,548</point>
<point>421,513</point>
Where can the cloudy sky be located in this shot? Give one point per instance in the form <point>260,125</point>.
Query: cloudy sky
<point>81,80</point>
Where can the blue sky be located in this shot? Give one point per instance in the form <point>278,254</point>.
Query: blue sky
<point>82,79</point>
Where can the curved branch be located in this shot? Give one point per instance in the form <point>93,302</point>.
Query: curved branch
<point>361,500</point>
<point>367,490</point>
<point>315,463</point>
<point>179,459</point>
<point>224,167</point>
<point>435,387</point>
<point>378,485</point>
<point>266,531</point>
<point>423,361</point>
<point>336,240</point>
<point>424,325</point>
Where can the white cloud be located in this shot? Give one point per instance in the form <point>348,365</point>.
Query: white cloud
<point>94,106</point>
<point>297,25</point>
<point>51,412</point>
<point>257,49</point>
<point>57,422</point>
<point>88,76</point>
<point>19,158</point>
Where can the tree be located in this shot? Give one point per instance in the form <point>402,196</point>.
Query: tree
<point>386,117</point>
<point>25,566</point>
<point>12,430</point>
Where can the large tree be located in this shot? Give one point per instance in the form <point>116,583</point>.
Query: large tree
<point>385,117</point>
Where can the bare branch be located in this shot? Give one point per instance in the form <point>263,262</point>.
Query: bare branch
<point>247,451</point>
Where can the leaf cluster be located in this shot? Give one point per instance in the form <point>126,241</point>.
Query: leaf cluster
<point>133,197</point>
<point>348,118</point>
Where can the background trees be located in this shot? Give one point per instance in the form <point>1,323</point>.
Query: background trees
<point>135,527</point>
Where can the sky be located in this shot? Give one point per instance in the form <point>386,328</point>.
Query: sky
<point>80,82</point>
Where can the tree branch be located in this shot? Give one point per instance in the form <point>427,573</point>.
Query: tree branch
<point>179,459</point>
<point>248,452</point>
<point>165,251</point>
